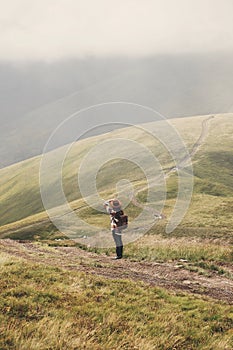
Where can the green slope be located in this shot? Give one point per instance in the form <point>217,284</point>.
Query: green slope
<point>39,293</point>
<point>213,170</point>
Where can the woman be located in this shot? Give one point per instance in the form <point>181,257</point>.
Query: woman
<point>113,207</point>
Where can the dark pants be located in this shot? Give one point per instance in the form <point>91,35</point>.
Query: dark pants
<point>118,241</point>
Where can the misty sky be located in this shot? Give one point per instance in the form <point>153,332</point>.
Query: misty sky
<point>51,30</point>
<point>58,56</point>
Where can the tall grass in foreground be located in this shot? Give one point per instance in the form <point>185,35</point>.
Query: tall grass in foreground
<point>49,308</point>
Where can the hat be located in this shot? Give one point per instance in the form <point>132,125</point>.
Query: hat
<point>116,204</point>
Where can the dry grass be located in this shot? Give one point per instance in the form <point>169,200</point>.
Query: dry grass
<point>53,309</point>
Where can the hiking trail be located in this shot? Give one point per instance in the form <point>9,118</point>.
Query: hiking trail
<point>170,275</point>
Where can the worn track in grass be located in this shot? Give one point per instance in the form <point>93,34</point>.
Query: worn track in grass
<point>168,275</point>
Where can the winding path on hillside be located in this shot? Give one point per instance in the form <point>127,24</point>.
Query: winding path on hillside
<point>182,163</point>
<point>158,215</point>
<point>172,276</point>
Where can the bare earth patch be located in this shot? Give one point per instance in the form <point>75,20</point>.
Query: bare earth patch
<point>168,275</point>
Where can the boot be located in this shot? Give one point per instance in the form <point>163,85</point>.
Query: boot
<point>119,252</point>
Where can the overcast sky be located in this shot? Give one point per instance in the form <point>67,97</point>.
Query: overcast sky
<point>50,30</point>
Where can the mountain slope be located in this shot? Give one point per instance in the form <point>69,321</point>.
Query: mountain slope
<point>19,183</point>
<point>172,290</point>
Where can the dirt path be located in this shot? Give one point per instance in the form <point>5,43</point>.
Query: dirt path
<point>168,275</point>
<point>180,165</point>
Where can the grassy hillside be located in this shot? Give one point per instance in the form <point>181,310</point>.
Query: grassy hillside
<point>49,303</point>
<point>213,163</point>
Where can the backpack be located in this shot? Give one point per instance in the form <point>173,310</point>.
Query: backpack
<point>122,222</point>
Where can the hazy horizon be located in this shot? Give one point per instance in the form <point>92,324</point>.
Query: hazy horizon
<point>57,57</point>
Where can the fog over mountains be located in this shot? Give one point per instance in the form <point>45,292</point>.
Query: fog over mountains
<point>36,97</point>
